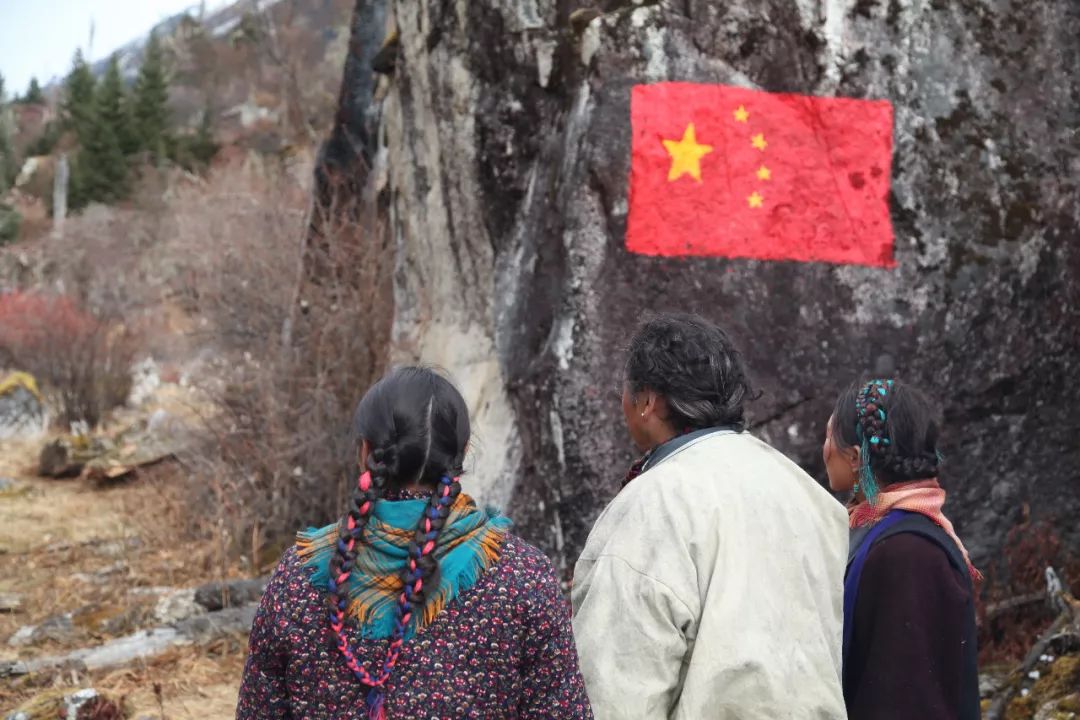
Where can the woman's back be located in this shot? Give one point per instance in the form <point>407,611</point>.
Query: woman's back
<point>909,613</point>
<point>501,649</point>
<point>416,603</point>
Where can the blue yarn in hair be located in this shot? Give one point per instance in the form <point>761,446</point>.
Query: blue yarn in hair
<point>869,395</point>
<point>866,475</point>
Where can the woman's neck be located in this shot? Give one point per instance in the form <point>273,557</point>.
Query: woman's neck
<point>665,435</point>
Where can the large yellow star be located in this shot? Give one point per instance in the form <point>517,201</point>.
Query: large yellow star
<point>758,141</point>
<point>686,155</point>
<point>741,115</point>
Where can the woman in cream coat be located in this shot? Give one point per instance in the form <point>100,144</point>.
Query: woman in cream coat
<point>712,585</point>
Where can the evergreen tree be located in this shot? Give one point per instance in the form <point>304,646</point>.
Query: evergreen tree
<point>79,109</point>
<point>79,96</point>
<point>114,108</point>
<point>8,164</point>
<point>34,94</point>
<point>151,101</point>
<point>103,166</point>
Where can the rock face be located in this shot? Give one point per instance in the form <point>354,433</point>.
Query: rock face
<point>505,136</point>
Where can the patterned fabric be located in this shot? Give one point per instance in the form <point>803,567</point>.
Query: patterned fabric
<point>501,649</point>
<point>925,497</point>
<point>467,545</point>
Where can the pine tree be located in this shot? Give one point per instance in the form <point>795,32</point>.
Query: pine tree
<point>79,96</point>
<point>101,165</point>
<point>34,94</point>
<point>8,165</point>
<point>151,102</point>
<point>114,108</point>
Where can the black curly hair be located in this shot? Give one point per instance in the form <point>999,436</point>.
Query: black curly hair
<point>695,366</point>
<point>904,421</point>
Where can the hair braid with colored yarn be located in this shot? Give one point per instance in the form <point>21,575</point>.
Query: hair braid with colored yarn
<point>894,426</point>
<point>419,424</point>
<point>872,431</point>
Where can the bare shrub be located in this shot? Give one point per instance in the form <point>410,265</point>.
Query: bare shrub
<point>301,330</point>
<point>81,361</point>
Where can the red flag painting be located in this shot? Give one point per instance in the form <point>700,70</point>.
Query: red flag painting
<point>731,172</point>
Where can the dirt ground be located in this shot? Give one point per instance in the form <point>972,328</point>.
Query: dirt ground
<point>68,546</point>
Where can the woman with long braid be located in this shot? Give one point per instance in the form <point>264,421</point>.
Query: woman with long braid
<point>909,645</point>
<point>416,604</point>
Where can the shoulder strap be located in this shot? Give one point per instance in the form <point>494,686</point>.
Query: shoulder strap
<point>854,571</point>
<point>895,523</point>
<point>923,526</point>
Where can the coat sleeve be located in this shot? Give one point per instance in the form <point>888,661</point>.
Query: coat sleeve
<point>631,633</point>
<point>552,686</point>
<point>908,641</point>
<point>263,689</point>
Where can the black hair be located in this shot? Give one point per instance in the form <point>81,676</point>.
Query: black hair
<point>907,445</point>
<point>416,425</point>
<point>695,366</point>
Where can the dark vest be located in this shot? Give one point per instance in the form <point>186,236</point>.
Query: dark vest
<point>896,522</point>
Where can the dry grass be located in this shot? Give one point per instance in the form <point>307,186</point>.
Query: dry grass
<point>288,334</point>
<point>58,537</point>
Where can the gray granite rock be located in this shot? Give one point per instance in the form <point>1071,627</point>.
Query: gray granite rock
<point>505,194</point>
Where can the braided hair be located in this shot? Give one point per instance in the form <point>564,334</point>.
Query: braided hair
<point>895,428</point>
<point>416,425</point>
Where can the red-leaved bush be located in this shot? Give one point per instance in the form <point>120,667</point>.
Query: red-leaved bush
<point>81,363</point>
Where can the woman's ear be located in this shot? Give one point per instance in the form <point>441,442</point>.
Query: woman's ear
<point>854,456</point>
<point>658,406</point>
<point>649,403</point>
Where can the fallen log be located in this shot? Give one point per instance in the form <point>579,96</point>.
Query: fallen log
<point>995,609</point>
<point>141,645</point>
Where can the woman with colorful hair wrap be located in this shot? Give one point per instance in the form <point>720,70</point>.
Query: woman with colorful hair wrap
<point>909,646</point>
<point>416,603</point>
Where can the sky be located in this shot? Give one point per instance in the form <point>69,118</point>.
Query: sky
<point>39,37</point>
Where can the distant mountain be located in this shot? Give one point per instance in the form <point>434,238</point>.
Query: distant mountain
<point>268,70</point>
<point>218,23</point>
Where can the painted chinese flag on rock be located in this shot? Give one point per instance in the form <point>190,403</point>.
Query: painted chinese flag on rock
<point>725,171</point>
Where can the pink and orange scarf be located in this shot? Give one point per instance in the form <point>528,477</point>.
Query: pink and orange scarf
<point>925,497</point>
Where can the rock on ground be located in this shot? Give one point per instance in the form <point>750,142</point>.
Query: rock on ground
<point>22,412</point>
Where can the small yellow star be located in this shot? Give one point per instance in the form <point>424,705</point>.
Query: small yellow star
<point>764,173</point>
<point>686,155</point>
<point>758,141</point>
<point>755,199</point>
<point>741,115</point>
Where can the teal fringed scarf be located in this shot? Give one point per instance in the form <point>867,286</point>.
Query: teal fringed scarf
<point>468,544</point>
